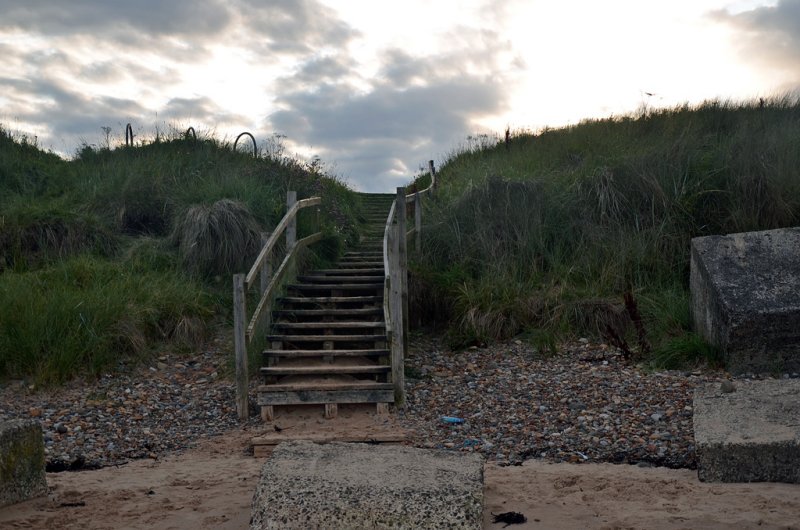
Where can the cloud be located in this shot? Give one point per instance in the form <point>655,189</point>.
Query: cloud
<point>296,26</point>
<point>96,17</point>
<point>414,109</point>
<point>198,110</point>
<point>769,35</point>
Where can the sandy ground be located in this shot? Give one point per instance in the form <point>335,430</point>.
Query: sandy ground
<point>211,487</point>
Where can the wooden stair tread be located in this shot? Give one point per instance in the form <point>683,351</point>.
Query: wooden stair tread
<point>326,353</point>
<point>333,286</point>
<point>330,325</point>
<point>325,369</point>
<point>331,299</point>
<point>322,338</point>
<point>351,278</point>
<point>345,272</point>
<point>330,312</point>
<point>323,387</point>
<point>263,444</point>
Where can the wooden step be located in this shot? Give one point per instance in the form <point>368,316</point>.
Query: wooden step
<point>354,264</point>
<point>328,312</point>
<point>349,385</point>
<point>344,272</point>
<point>330,325</point>
<point>326,338</point>
<point>314,393</point>
<point>335,286</point>
<point>297,354</point>
<point>330,299</point>
<point>328,369</point>
<point>371,278</point>
<point>263,445</point>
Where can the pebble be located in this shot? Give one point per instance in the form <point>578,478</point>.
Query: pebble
<point>119,417</point>
<point>584,404</point>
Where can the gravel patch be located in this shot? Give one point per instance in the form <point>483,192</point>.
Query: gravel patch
<point>585,404</point>
<point>160,408</point>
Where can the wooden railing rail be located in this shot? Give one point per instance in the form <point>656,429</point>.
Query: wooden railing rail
<point>269,282</point>
<point>395,264</point>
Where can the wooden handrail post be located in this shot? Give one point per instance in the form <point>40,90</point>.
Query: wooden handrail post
<point>291,229</point>
<point>417,222</point>
<point>266,277</point>
<point>240,346</point>
<point>266,270</point>
<point>433,175</point>
<point>397,291</point>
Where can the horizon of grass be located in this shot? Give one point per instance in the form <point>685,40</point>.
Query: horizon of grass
<point>548,232</point>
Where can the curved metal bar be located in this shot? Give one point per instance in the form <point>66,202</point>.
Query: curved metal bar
<point>255,148</point>
<point>128,135</point>
<point>194,134</point>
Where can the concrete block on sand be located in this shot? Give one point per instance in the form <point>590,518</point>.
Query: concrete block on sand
<point>744,298</point>
<point>22,474</point>
<point>748,431</point>
<point>340,485</point>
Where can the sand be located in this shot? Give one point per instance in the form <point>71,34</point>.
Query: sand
<point>211,486</point>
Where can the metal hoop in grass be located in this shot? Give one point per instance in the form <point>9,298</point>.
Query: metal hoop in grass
<point>255,149</point>
<point>128,135</point>
<point>194,134</point>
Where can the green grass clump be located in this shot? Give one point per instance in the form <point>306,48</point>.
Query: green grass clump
<point>115,253</point>
<point>86,315</point>
<point>549,231</point>
<point>218,239</point>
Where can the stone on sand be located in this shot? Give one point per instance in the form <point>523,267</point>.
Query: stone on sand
<point>340,485</point>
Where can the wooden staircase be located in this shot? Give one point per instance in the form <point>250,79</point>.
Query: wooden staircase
<point>328,343</point>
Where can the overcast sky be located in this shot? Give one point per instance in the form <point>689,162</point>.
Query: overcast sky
<point>376,88</point>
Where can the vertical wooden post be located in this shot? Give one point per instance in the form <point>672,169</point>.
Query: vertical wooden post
<point>397,266</point>
<point>266,269</point>
<point>240,346</point>
<point>417,222</point>
<point>266,276</point>
<point>433,175</point>
<point>291,228</point>
<point>402,251</point>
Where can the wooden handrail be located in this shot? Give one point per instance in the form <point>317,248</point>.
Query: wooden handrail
<point>242,283</point>
<point>276,234</point>
<point>395,290</point>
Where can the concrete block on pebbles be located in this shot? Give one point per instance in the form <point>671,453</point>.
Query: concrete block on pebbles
<point>748,431</point>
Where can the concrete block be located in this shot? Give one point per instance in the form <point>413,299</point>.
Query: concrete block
<point>748,431</point>
<point>745,298</point>
<point>340,485</point>
<point>22,475</point>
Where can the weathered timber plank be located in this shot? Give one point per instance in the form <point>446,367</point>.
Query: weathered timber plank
<point>319,397</point>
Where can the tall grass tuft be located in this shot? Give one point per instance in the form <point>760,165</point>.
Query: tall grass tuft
<point>217,239</point>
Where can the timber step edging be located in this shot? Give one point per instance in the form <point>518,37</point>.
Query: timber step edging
<point>331,325</point>
<point>324,338</point>
<point>329,369</point>
<point>345,272</point>
<point>330,299</point>
<point>329,312</point>
<point>296,354</point>
<point>324,387</point>
<point>334,286</point>
<point>366,278</point>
